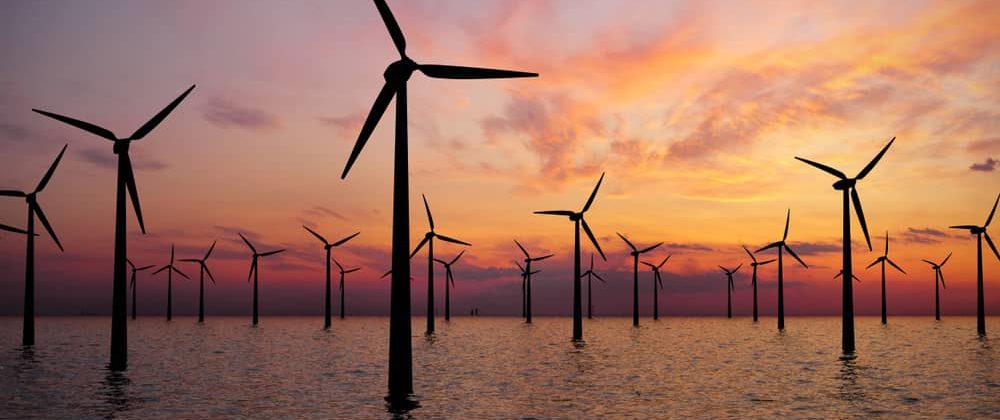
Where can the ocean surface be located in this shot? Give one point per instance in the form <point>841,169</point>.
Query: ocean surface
<point>499,367</point>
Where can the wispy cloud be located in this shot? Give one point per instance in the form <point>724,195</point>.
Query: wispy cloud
<point>989,165</point>
<point>227,114</point>
<point>923,235</point>
<point>105,159</point>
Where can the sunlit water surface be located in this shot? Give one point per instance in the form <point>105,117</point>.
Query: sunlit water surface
<point>486,367</point>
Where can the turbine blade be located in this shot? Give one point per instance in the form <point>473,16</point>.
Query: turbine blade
<point>453,260</point>
<point>858,279</point>
<point>772,245</point>
<point>179,272</point>
<point>534,272</point>
<point>343,241</point>
<point>894,265</point>
<point>13,229</point>
<point>665,259</point>
<point>650,265</point>
<point>593,240</point>
<point>339,267</point>
<point>766,262</point>
<point>452,240</point>
<point>390,23</point>
<point>441,71</point>
<point>593,194</point>
<point>630,245</point>
<point>248,243</point>
<point>992,212</point>
<point>129,262</point>
<point>839,274</point>
<point>945,260</point>
<point>210,249</point>
<point>522,249</point>
<point>823,168</point>
<point>794,255</point>
<point>253,267</point>
<point>650,248</point>
<point>992,246</point>
<point>861,216</point>
<point>442,262</point>
<point>159,117</point>
<point>886,244</point>
<point>877,260</point>
<point>318,236</point>
<point>420,245</point>
<point>871,165</point>
<point>430,219</point>
<point>519,266</point>
<point>724,269</point>
<point>928,262</point>
<point>749,253</point>
<point>387,273</point>
<point>941,276</point>
<point>556,212</point>
<point>161,269</point>
<point>147,267</point>
<point>171,253</point>
<point>189,260</point>
<point>378,108</point>
<point>12,193</point>
<point>352,270</point>
<point>133,190</point>
<point>272,252</point>
<point>209,272</point>
<point>45,223</point>
<point>965,227</point>
<point>737,268</point>
<point>598,277</point>
<point>85,126</point>
<point>52,169</point>
<point>788,218</point>
<point>544,257</point>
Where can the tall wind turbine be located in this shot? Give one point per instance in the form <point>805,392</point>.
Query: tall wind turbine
<point>254,270</point>
<point>980,232</point>
<point>753,281</point>
<point>578,220</point>
<point>780,246</point>
<point>126,182</point>
<point>883,260</point>
<point>730,289</point>
<point>342,273</point>
<point>657,280</point>
<point>429,241</point>
<point>591,275</point>
<point>396,76</point>
<point>635,275</point>
<point>328,246</point>
<point>527,268</point>
<point>28,328</point>
<point>938,277</point>
<point>202,263</point>
<point>131,282</point>
<point>449,278</point>
<point>850,193</point>
<point>170,269</point>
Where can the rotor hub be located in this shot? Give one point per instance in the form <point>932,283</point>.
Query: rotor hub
<point>400,71</point>
<point>576,217</point>
<point>121,147</point>
<point>978,230</point>
<point>30,198</point>
<point>844,184</point>
<point>429,235</point>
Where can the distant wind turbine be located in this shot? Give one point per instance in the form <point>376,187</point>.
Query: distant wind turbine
<point>203,269</point>
<point>449,278</point>
<point>528,259</point>
<point>657,280</point>
<point>635,275</point>
<point>980,232</point>
<point>781,245</point>
<point>526,280</point>
<point>328,246</point>
<point>848,186</point>
<point>254,271</point>
<point>126,182</point>
<point>429,241</point>
<point>591,275</point>
<point>730,289</point>
<point>938,277</point>
<point>342,273</point>
<point>132,282</point>
<point>753,281</point>
<point>34,210</point>
<point>170,269</point>
<point>883,260</point>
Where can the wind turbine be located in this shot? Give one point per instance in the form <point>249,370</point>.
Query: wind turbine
<point>429,241</point>
<point>254,270</point>
<point>781,245</point>
<point>850,193</point>
<point>635,276</point>
<point>396,76</point>
<point>448,278</point>
<point>525,279</point>
<point>980,232</point>
<point>590,274</point>
<point>28,329</point>
<point>342,273</point>
<point>730,289</point>
<point>753,280</point>
<point>201,280</point>
<point>132,281</point>
<point>13,229</point>
<point>328,246</point>
<point>126,182</point>
<point>527,267</point>
<point>883,260</point>
<point>170,282</point>
<point>657,280</point>
<point>938,276</point>
<point>578,220</point>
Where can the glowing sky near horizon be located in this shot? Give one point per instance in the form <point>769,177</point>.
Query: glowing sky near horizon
<point>694,109</point>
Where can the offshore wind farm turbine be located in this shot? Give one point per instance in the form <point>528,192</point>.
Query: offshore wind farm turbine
<point>730,289</point>
<point>938,277</point>
<point>34,210</point>
<point>125,185</point>
<point>525,280</point>
<point>449,277</point>
<point>578,221</point>
<point>528,259</point>
<point>780,246</point>
<point>753,281</point>
<point>429,241</point>
<point>591,275</point>
<point>342,273</point>
<point>203,268</point>
<point>850,193</point>
<point>635,275</point>
<point>396,76</point>
<point>328,246</point>
<point>170,269</point>
<point>883,260</point>
<point>254,272</point>
<point>980,232</point>
<point>131,282</point>
<point>657,280</point>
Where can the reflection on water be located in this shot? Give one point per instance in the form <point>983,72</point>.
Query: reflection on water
<point>486,367</point>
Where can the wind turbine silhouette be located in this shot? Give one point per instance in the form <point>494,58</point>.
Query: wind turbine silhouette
<point>525,279</point>
<point>635,276</point>
<point>590,274</point>
<point>578,220</point>
<point>883,260</point>
<point>132,281</point>
<point>254,270</point>
<point>781,245</point>
<point>753,280</point>
<point>448,278</point>
<point>980,232</point>
<point>429,241</point>
<point>202,263</point>
<point>848,186</point>
<point>342,273</point>
<point>328,246</point>
<point>938,276</point>
<point>396,76</point>
<point>657,280</point>
<point>13,229</point>
<point>170,282</point>
<point>28,326</point>
<point>527,268</point>
<point>730,289</point>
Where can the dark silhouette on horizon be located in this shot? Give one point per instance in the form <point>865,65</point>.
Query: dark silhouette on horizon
<point>526,285</point>
<point>938,277</point>
<point>883,260</point>
<point>635,275</point>
<point>449,278</point>
<point>850,193</point>
<point>171,269</point>
<point>34,210</point>
<point>657,280</point>
<point>131,282</point>
<point>525,279</point>
<point>980,232</point>
<point>203,269</point>
<point>254,270</point>
<point>590,277</point>
<point>327,246</point>
<point>781,246</point>
<point>730,288</point>
<point>343,272</point>
<point>125,185</point>
<point>429,241</point>
<point>753,280</point>
<point>578,220</point>
<point>396,76</point>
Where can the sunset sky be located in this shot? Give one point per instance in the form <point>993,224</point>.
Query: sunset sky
<point>694,109</point>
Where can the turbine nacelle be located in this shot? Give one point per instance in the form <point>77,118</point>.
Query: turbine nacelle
<point>845,184</point>
<point>400,71</point>
<point>121,146</point>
